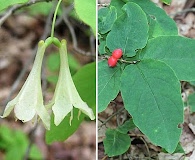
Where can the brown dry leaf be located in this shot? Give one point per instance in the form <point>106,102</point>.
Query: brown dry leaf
<point>167,156</point>
<point>192,127</point>
<point>101,131</point>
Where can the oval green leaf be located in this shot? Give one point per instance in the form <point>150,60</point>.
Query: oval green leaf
<point>151,94</point>
<point>130,30</point>
<point>116,143</point>
<point>108,84</point>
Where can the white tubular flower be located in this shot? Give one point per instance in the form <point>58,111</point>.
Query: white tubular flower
<point>29,101</point>
<point>66,95</point>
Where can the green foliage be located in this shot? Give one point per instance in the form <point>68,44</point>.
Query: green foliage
<point>15,143</point>
<point>125,37</point>
<point>127,126</point>
<point>159,22</point>
<point>166,1</point>
<point>118,5</point>
<point>151,103</point>
<point>53,62</point>
<point>102,47</point>
<point>178,149</point>
<point>40,8</point>
<point>177,52</point>
<point>108,84</point>
<point>53,65</point>
<point>192,83</point>
<point>148,75</point>
<point>85,83</point>
<point>7,3</point>
<point>86,11</point>
<point>107,16</point>
<point>116,142</point>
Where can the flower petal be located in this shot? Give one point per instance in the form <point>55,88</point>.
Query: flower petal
<point>25,108</point>
<point>60,109</point>
<point>44,115</point>
<point>85,109</point>
<point>9,107</point>
<point>30,95</point>
<point>71,90</point>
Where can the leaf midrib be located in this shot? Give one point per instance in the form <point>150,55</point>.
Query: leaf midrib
<point>145,79</point>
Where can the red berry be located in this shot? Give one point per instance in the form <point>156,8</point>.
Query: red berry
<point>117,53</point>
<point>112,61</point>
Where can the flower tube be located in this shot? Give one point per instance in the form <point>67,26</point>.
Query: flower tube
<point>66,95</point>
<point>29,101</point>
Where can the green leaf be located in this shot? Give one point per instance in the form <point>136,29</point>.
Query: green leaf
<point>118,5</point>
<point>106,18</point>
<point>151,94</point>
<point>63,130</point>
<point>42,8</point>
<point>166,1</point>
<point>191,102</point>
<point>85,82</point>
<point>159,22</point>
<point>192,83</point>
<point>108,84</point>
<point>116,143</point>
<point>178,149</point>
<point>15,143</point>
<point>73,64</point>
<point>14,153</point>
<point>127,126</point>
<point>6,137</point>
<point>129,33</point>
<point>53,62</point>
<point>6,3</point>
<point>102,47</point>
<point>52,79</point>
<point>86,11</point>
<point>178,52</point>
<point>35,153</point>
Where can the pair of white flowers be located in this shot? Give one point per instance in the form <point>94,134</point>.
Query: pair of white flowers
<point>28,104</point>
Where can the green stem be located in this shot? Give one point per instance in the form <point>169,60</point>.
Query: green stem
<point>54,19</point>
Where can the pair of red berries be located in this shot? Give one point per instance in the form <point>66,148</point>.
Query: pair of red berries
<point>116,54</point>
